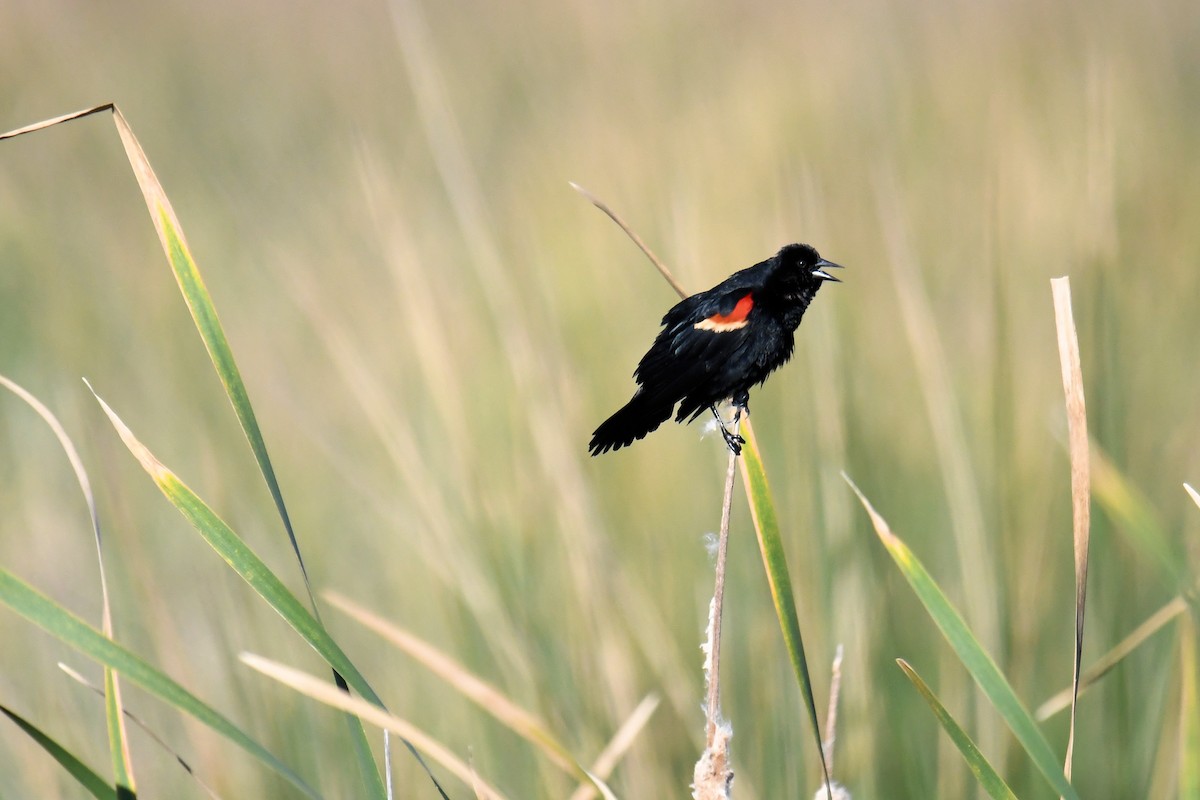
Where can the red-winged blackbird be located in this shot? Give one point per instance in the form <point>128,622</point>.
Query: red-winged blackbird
<point>715,345</point>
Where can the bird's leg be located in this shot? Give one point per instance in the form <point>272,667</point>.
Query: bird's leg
<point>732,440</point>
<point>741,405</point>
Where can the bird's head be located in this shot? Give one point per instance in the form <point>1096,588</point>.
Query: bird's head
<point>803,261</point>
<point>798,273</point>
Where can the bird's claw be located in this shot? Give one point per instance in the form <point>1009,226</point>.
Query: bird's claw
<point>733,440</point>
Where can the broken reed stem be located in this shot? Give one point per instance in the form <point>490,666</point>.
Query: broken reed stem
<point>713,777</point>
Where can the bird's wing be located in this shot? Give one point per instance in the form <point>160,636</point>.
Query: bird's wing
<point>700,334</point>
<point>698,338</point>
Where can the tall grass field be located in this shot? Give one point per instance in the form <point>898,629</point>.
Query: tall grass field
<point>428,322</point>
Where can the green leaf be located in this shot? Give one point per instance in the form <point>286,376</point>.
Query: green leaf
<point>114,717</point>
<point>988,778</point>
<point>244,561</point>
<point>770,544</point>
<point>204,314</point>
<point>88,778</point>
<point>985,672</point>
<point>57,621</point>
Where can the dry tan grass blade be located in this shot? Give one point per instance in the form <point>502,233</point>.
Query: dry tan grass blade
<point>618,746</point>
<point>1081,490</point>
<point>486,696</point>
<point>1100,668</point>
<point>330,695</point>
<point>655,260</point>
<point>48,123</point>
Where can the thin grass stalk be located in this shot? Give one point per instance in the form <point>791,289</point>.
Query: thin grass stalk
<point>78,677</point>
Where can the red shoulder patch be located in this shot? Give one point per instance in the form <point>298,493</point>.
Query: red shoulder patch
<point>732,321</point>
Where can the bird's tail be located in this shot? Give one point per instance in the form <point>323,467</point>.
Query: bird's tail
<point>638,417</point>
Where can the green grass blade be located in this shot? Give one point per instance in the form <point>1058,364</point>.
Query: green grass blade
<point>244,561</point>
<point>204,314</point>
<point>117,740</point>
<point>770,544</point>
<point>114,719</point>
<point>87,777</point>
<point>981,666</point>
<point>65,626</point>
<point>987,776</point>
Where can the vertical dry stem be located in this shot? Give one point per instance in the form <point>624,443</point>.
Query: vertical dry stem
<point>713,776</point>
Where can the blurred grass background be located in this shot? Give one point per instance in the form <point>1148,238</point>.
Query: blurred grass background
<point>431,322</point>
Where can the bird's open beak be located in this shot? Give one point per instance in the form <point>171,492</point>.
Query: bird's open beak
<point>822,265</point>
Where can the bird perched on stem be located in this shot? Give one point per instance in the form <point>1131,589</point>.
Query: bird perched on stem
<point>716,345</point>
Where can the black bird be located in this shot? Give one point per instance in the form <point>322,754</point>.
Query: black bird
<point>715,345</point>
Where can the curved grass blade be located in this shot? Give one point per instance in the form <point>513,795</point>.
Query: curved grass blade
<point>238,555</point>
<point>246,563</point>
<point>981,666</point>
<point>987,776</point>
<point>637,240</point>
<point>329,694</point>
<point>117,740</point>
<point>74,632</point>
<point>770,544</point>
<point>87,777</point>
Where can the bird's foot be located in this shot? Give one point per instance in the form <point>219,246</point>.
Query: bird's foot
<point>733,441</point>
